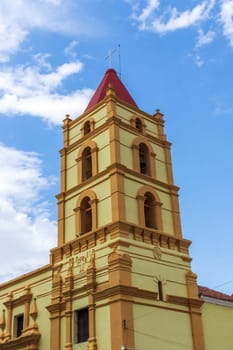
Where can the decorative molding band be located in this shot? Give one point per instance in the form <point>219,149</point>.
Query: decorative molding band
<point>119,229</point>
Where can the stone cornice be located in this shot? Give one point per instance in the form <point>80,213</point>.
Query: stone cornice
<point>119,229</point>
<point>121,291</point>
<point>124,170</point>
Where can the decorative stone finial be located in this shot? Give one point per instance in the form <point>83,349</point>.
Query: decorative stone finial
<point>67,120</point>
<point>158,114</point>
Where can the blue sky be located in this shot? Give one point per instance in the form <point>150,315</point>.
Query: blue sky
<point>176,56</point>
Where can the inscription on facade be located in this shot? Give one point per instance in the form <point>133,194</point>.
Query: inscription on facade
<point>83,259</point>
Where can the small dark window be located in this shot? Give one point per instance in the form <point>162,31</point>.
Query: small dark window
<point>87,127</point>
<point>82,325</point>
<point>86,215</point>
<point>86,164</point>
<point>149,210</point>
<point>144,159</point>
<point>138,124</point>
<point>18,325</point>
<point>160,290</point>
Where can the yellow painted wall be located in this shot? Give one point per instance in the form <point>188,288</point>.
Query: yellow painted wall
<point>72,169</point>
<point>218,326</point>
<point>126,140</point>
<point>99,117</point>
<point>168,329</point>
<point>131,210</point>
<point>102,142</point>
<point>132,185</point>
<point>126,114</point>
<point>151,128</point>
<point>40,284</point>
<point>146,270</point>
<point>101,187</point>
<point>126,154</point>
<point>103,326</point>
<point>161,172</point>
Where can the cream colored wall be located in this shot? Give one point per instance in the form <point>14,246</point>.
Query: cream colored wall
<point>168,329</point>
<point>72,170</point>
<point>103,155</point>
<point>170,269</point>
<point>75,130</point>
<point>101,188</point>
<point>218,326</point>
<point>126,154</point>
<point>102,142</point>
<point>80,346</point>
<point>151,127</point>
<point>126,115</point>
<point>160,164</point>
<point>103,328</point>
<point>132,185</point>
<point>40,285</point>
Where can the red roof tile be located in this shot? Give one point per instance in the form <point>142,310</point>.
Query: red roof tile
<point>122,93</point>
<point>214,294</point>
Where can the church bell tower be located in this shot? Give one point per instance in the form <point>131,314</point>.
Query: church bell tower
<point>121,270</point>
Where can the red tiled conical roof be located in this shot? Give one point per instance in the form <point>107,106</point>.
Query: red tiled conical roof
<point>122,93</point>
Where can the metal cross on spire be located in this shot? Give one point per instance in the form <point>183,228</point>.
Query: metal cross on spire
<point>109,56</point>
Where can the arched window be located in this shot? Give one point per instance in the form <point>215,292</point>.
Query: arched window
<point>149,208</point>
<point>87,161</point>
<point>149,205</point>
<point>86,215</point>
<point>138,124</point>
<point>144,160</point>
<point>86,164</point>
<point>87,127</point>
<point>86,212</point>
<point>143,157</point>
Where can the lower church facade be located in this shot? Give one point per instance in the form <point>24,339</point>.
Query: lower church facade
<point>120,276</point>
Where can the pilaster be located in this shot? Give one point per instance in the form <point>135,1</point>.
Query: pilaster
<point>121,306</point>
<point>195,311</point>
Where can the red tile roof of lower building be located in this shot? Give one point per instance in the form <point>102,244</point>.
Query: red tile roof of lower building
<point>121,92</point>
<point>214,294</point>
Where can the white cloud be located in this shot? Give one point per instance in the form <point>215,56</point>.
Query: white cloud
<point>226,17</point>
<point>27,233</point>
<point>69,50</point>
<point>26,90</point>
<point>12,36</point>
<point>170,19</point>
<point>198,60</point>
<point>205,38</point>
<point>41,60</point>
<point>147,11</point>
<point>50,107</point>
<point>19,18</point>
<point>25,81</point>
